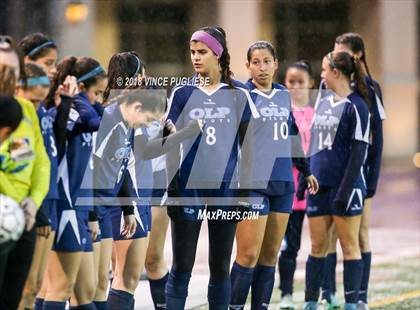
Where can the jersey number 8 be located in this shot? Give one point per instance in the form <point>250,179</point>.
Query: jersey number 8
<point>211,135</point>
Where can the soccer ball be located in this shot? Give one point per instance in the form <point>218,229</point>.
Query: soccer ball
<point>12,219</point>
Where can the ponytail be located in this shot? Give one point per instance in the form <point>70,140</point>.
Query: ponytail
<point>122,66</point>
<point>351,68</point>
<point>354,42</point>
<point>360,82</point>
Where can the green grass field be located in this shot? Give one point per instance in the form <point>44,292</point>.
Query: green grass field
<point>393,286</point>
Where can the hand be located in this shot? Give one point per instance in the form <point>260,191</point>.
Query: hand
<point>313,185</point>
<point>44,231</point>
<point>68,88</point>
<point>94,229</point>
<point>29,208</point>
<point>129,227</point>
<point>170,126</point>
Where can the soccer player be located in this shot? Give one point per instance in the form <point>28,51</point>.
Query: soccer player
<point>353,44</point>
<point>123,169</point>
<point>70,269</point>
<point>258,241</point>
<point>298,81</point>
<point>339,140</point>
<point>38,48</point>
<point>208,166</point>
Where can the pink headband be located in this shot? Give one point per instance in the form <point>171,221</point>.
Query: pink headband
<point>209,40</point>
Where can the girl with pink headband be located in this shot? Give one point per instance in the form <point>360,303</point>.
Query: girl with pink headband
<point>227,108</point>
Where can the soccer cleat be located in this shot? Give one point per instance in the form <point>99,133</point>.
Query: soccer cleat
<point>335,303</point>
<point>362,306</point>
<point>310,305</point>
<point>286,303</point>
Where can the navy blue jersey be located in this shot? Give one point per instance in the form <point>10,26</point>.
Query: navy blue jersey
<point>373,160</point>
<point>336,125</point>
<point>113,149</point>
<point>84,120</point>
<point>46,122</point>
<point>212,157</point>
<point>272,149</point>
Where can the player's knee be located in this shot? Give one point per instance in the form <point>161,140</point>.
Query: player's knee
<point>131,280</point>
<point>319,248</point>
<point>268,257</point>
<point>63,292</point>
<point>219,269</point>
<point>350,250</point>
<point>248,258</point>
<point>153,263</point>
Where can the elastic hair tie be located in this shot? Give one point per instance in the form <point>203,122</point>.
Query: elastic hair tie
<point>39,47</point>
<point>91,74</point>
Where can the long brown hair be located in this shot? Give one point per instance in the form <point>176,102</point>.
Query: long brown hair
<point>352,69</point>
<point>354,42</point>
<point>220,35</point>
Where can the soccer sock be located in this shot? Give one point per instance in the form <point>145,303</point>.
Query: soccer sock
<point>218,294</point>
<point>240,282</point>
<point>353,270</point>
<point>262,286</point>
<point>38,303</point>
<point>101,305</point>
<point>157,290</point>
<point>287,267</point>
<point>314,274</point>
<point>367,259</point>
<point>54,305</point>
<point>120,300</point>
<point>328,283</point>
<point>176,290</point>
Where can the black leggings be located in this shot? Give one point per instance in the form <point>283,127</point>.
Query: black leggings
<point>184,246</point>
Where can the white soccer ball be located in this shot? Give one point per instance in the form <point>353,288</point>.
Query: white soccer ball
<point>12,219</point>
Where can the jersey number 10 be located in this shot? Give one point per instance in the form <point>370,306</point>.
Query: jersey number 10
<point>282,129</point>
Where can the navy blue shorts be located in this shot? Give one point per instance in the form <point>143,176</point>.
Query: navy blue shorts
<point>73,233</point>
<point>279,204</point>
<point>143,216</point>
<point>105,223</point>
<point>277,197</point>
<point>321,204</point>
<point>49,207</point>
